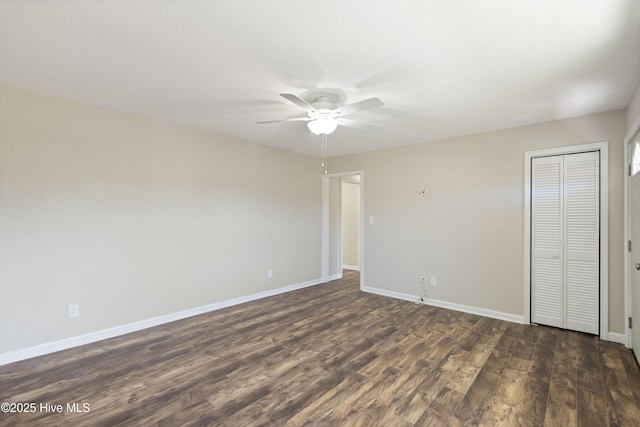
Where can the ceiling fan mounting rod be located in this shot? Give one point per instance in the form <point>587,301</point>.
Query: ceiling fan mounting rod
<point>322,103</point>
<point>322,98</point>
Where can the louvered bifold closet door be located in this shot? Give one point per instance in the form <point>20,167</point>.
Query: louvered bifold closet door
<point>582,241</point>
<point>547,297</point>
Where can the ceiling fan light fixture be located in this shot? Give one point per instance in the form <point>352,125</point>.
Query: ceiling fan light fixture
<point>322,126</point>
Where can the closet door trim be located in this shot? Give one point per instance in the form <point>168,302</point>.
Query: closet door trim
<point>603,149</point>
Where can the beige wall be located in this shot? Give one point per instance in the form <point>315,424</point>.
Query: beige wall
<point>468,230</point>
<point>350,223</point>
<point>633,109</point>
<point>133,218</point>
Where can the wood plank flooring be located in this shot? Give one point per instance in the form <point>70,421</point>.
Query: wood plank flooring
<point>331,355</point>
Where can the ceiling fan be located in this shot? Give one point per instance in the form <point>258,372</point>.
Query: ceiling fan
<point>323,116</point>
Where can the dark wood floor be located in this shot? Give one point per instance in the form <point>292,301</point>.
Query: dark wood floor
<point>331,355</point>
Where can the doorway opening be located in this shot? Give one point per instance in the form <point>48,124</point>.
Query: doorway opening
<point>342,224</point>
<point>350,222</point>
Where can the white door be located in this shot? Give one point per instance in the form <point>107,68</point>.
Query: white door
<point>565,241</point>
<point>634,204</point>
<point>547,297</point>
<point>582,241</point>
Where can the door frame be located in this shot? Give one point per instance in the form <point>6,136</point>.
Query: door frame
<point>603,148</point>
<point>325,223</point>
<point>632,135</point>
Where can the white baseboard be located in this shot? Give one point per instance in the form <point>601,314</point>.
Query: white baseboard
<point>52,347</point>
<point>387,293</point>
<point>617,337</point>
<point>350,267</point>
<point>611,336</point>
<point>515,318</point>
<point>334,277</point>
<point>448,305</point>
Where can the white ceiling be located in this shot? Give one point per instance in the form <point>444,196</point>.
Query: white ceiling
<point>442,67</point>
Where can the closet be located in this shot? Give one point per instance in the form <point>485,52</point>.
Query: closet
<point>565,241</point>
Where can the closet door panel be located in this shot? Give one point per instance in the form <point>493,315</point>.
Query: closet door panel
<point>582,241</point>
<point>546,241</point>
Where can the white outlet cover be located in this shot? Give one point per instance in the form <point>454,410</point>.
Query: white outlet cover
<point>434,281</point>
<point>269,273</point>
<point>74,310</point>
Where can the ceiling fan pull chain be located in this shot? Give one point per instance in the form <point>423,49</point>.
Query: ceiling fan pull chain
<point>324,152</point>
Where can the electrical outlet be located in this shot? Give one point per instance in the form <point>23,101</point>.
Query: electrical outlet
<point>269,273</point>
<point>74,310</point>
<point>434,281</point>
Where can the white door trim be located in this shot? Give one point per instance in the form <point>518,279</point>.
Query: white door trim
<point>627,236</point>
<point>603,147</point>
<point>325,223</point>
<point>628,152</point>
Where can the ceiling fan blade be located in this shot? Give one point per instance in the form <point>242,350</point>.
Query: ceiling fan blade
<point>355,124</point>
<point>298,101</point>
<point>357,106</point>
<point>295,119</point>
